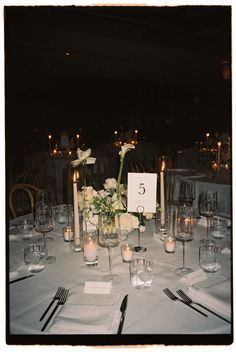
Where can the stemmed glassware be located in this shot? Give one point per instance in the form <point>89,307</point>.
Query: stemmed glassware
<point>207,206</point>
<point>109,237</point>
<point>187,192</point>
<point>184,232</point>
<point>44,223</point>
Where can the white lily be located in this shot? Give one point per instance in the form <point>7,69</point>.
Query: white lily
<point>125,148</point>
<point>83,157</point>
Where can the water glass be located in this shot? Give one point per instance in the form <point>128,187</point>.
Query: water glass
<point>218,227</point>
<point>61,213</point>
<point>35,257</point>
<point>209,257</point>
<point>25,229</point>
<point>141,273</point>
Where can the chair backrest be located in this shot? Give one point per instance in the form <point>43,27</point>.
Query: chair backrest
<point>24,194</point>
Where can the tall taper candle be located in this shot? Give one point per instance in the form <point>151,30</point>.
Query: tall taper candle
<point>162,193</point>
<point>218,157</point>
<point>76,208</point>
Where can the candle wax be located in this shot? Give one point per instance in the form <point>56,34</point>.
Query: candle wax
<point>90,251</point>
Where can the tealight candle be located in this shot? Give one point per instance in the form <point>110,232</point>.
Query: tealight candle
<point>127,251</point>
<point>68,233</point>
<point>170,244</point>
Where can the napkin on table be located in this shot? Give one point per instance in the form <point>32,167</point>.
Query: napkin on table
<point>88,314</point>
<point>213,294</point>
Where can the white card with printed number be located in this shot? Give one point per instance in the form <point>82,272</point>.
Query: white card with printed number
<point>142,189</point>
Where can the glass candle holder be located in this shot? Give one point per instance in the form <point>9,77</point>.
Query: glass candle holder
<point>90,249</point>
<point>127,251</point>
<point>68,234</point>
<point>169,244</point>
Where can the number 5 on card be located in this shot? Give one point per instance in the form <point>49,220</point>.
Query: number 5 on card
<point>142,192</point>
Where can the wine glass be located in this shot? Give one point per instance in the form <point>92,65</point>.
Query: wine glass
<point>187,192</point>
<point>43,223</point>
<point>184,232</point>
<point>207,206</point>
<point>109,237</point>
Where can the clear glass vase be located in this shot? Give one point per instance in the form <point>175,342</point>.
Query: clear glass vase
<point>109,237</point>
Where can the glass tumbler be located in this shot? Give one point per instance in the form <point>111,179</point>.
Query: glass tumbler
<point>34,257</point>
<point>209,257</point>
<point>141,273</point>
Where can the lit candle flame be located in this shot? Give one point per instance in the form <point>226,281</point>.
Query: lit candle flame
<point>219,144</point>
<point>163,165</point>
<point>75,176</point>
<point>49,136</point>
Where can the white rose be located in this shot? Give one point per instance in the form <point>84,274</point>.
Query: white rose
<point>128,222</point>
<point>142,228</point>
<point>110,183</point>
<point>148,216</point>
<point>88,193</point>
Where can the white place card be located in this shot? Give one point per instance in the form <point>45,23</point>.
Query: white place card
<point>142,189</point>
<point>97,287</point>
<point>196,276</point>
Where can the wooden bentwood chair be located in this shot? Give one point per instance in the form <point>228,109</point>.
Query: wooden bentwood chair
<point>25,194</point>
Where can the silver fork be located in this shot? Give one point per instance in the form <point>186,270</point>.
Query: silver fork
<point>188,300</point>
<point>61,301</point>
<point>175,298</point>
<point>57,296</point>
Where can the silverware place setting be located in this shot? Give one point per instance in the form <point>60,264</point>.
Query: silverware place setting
<point>60,297</point>
<point>188,300</point>
<point>172,296</point>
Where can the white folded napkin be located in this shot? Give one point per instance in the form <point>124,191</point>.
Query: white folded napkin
<point>213,294</point>
<point>88,314</point>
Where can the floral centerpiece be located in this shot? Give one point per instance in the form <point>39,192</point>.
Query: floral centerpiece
<point>111,199</point>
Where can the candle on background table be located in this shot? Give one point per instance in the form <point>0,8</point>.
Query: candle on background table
<point>77,140</point>
<point>207,140</point>
<point>127,251</point>
<point>50,143</point>
<point>76,208</point>
<point>162,193</point>
<point>218,156</point>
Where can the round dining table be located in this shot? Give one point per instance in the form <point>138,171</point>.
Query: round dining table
<point>91,317</point>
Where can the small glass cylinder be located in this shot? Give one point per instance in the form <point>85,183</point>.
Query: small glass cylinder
<point>127,251</point>
<point>169,244</point>
<point>209,257</point>
<point>90,248</point>
<point>68,234</point>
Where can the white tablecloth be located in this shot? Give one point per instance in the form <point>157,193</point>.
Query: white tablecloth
<point>151,315</point>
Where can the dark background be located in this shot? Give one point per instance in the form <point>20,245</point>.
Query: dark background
<point>95,69</point>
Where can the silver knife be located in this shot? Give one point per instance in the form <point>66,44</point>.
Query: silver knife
<point>123,312</point>
<point>21,278</point>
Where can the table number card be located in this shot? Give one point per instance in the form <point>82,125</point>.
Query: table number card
<point>142,192</point>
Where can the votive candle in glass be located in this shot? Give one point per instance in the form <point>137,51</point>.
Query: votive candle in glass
<point>127,251</point>
<point>169,244</point>
<point>68,233</point>
<point>90,249</point>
